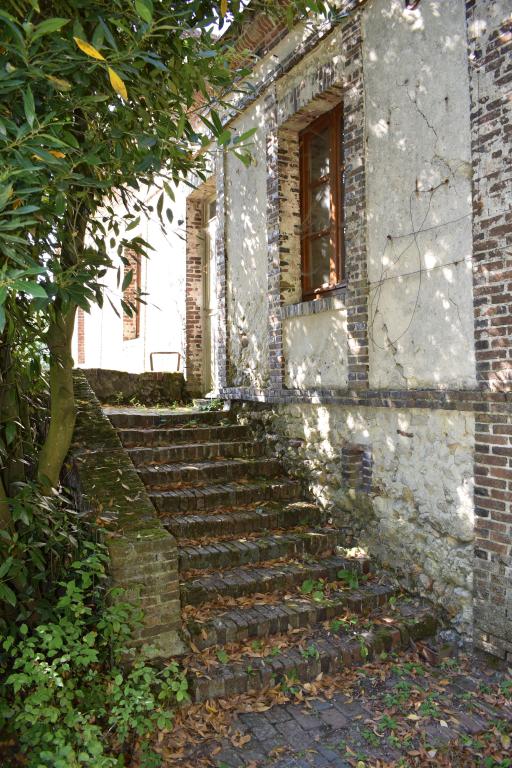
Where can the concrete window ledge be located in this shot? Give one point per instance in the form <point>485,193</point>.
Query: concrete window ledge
<point>327,304</point>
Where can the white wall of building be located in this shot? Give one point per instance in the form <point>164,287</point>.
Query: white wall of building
<point>161,319</point>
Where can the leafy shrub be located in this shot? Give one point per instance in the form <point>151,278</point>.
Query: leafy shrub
<point>72,692</point>
<point>46,535</point>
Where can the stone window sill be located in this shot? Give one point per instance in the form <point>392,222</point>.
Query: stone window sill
<point>315,306</point>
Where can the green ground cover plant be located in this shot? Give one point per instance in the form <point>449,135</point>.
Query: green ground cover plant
<point>73,690</point>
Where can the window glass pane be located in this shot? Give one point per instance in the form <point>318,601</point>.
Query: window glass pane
<point>320,259</point>
<point>319,151</point>
<point>320,208</point>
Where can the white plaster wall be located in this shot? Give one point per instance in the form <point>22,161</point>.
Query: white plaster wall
<point>422,489</point>
<point>315,350</point>
<point>246,243</point>
<point>162,318</point>
<point>418,180</point>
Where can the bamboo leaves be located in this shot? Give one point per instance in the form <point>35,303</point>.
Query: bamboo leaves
<point>29,106</point>
<point>116,82</point>
<point>48,26</point>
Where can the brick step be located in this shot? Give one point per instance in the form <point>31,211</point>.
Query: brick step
<point>244,520</point>
<point>205,472</point>
<point>168,436</point>
<point>232,553</point>
<point>227,494</point>
<point>326,652</point>
<point>140,419</point>
<point>243,581</point>
<point>262,621</point>
<point>170,454</point>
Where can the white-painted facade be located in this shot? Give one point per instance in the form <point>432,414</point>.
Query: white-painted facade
<point>161,319</point>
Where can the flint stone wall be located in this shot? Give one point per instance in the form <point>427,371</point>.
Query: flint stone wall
<point>398,482</point>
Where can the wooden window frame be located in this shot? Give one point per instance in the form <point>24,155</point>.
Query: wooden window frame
<point>334,120</point>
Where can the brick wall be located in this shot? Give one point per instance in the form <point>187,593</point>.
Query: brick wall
<point>193,299</point>
<point>221,271</point>
<point>80,332</point>
<point>490,68</point>
<point>355,208</point>
<point>284,119</point>
<point>131,323</point>
<point>143,554</point>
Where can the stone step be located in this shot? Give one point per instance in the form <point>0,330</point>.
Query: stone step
<point>244,520</point>
<point>248,580</point>
<point>325,652</point>
<point>171,454</point>
<point>206,472</point>
<point>168,436</point>
<point>232,553</point>
<point>262,621</point>
<point>139,419</point>
<point>225,495</point>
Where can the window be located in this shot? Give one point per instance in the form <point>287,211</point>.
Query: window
<point>131,323</point>
<point>321,197</point>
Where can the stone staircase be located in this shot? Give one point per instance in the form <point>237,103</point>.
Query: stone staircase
<point>267,598</point>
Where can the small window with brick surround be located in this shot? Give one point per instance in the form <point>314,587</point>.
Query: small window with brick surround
<point>356,465</point>
<point>131,322</point>
<point>321,202</point>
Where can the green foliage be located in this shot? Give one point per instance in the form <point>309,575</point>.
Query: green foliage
<point>311,652</point>
<point>315,588</point>
<point>114,96</point>
<point>506,688</point>
<point>350,578</point>
<point>429,707</point>
<point>347,623</point>
<point>363,649</point>
<point>388,723</point>
<point>401,694</point>
<point>215,404</point>
<point>99,99</point>
<point>370,737</point>
<point>222,656</point>
<point>73,693</point>
<point>37,551</point>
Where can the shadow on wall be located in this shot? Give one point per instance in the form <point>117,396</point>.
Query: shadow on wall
<point>419,241</point>
<point>315,350</point>
<point>418,516</point>
<point>419,196</point>
<point>246,238</point>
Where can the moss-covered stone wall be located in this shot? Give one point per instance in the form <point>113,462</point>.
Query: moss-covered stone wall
<point>149,388</point>
<point>143,554</point>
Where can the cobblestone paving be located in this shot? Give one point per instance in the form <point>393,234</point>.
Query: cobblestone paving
<point>405,713</point>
